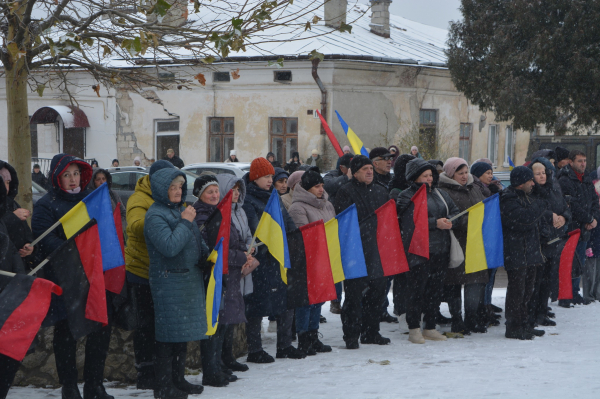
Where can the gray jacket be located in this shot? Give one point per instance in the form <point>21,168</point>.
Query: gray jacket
<point>307,208</point>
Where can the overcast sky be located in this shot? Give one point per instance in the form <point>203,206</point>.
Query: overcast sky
<point>430,12</point>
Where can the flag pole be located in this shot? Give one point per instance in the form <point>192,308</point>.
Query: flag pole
<point>38,267</point>
<point>9,274</point>
<point>45,233</point>
<point>459,215</point>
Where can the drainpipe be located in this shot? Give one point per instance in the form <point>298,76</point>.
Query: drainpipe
<point>315,75</point>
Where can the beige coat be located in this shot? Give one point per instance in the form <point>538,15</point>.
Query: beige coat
<point>307,208</point>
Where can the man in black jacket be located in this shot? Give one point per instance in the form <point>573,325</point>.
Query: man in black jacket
<point>38,177</point>
<point>364,296</point>
<point>174,159</point>
<point>382,164</point>
<point>521,216</point>
<point>583,200</point>
<point>335,179</point>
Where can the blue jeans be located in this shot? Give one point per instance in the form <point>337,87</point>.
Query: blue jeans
<point>489,288</point>
<point>307,318</point>
<point>338,291</point>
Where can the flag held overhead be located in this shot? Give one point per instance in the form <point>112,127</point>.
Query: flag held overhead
<point>355,142</point>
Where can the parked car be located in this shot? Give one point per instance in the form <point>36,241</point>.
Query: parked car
<point>125,178</point>
<point>238,169</point>
<point>504,177</point>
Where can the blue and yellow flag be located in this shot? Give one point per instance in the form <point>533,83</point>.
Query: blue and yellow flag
<point>345,246</point>
<point>97,206</point>
<point>215,287</point>
<point>511,165</point>
<point>485,247</point>
<point>355,142</point>
<point>271,231</point>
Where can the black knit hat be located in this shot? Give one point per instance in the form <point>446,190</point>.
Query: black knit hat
<point>345,160</point>
<point>561,153</point>
<point>520,175</point>
<point>379,152</point>
<point>358,162</point>
<point>479,168</point>
<point>201,183</point>
<point>311,178</point>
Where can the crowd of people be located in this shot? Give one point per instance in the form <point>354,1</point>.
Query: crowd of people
<point>168,274</point>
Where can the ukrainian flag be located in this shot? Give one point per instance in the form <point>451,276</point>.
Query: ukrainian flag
<point>345,246</point>
<point>355,142</point>
<point>97,206</point>
<point>485,248</point>
<point>215,287</point>
<point>271,231</point>
<point>511,165</point>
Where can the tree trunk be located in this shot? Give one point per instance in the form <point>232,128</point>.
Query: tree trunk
<point>19,135</point>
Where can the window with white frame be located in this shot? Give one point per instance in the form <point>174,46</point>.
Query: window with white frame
<point>509,145</point>
<point>166,136</point>
<point>493,144</point>
<point>464,149</point>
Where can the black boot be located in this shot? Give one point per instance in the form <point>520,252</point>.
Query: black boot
<point>145,378</point>
<point>564,303</point>
<point>518,333</point>
<point>227,356</point>
<point>374,339</point>
<point>305,343</point>
<point>458,326</point>
<point>441,319</point>
<point>179,376</point>
<point>95,392</point>
<point>259,357</point>
<point>290,353</point>
<point>545,321</point>
<point>70,391</point>
<point>234,365</point>
<point>317,345</point>
<point>164,388</point>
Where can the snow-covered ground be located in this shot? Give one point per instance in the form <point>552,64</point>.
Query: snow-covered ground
<point>563,364</point>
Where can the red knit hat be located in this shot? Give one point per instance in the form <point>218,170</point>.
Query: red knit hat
<point>260,167</point>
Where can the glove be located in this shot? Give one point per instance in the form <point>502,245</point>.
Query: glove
<point>589,253</point>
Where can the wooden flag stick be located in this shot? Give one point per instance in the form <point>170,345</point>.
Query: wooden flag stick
<point>459,215</point>
<point>38,267</point>
<point>55,225</point>
<point>9,274</point>
<point>553,241</point>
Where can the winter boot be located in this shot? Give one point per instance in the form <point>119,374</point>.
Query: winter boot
<point>388,318</point>
<point>415,336</point>
<point>305,343</point>
<point>335,307</point>
<point>374,339</point>
<point>259,357</point>
<point>95,392</point>
<point>317,345</point>
<point>440,319</point>
<point>70,391</point>
<point>145,377</point>
<point>433,335</point>
<point>352,344</point>
<point>458,326</point>
<point>495,308</point>
<point>564,303</point>
<point>545,321</point>
<point>322,319</point>
<point>290,353</point>
<point>164,388</point>
<point>518,333</point>
<point>530,329</point>
<point>179,376</point>
<point>227,357</point>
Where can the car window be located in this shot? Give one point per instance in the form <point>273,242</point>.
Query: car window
<point>216,171</point>
<point>138,175</point>
<point>121,181</point>
<point>191,178</point>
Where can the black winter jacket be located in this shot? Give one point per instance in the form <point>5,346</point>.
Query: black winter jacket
<point>383,180</point>
<point>582,199</point>
<point>334,179</point>
<point>367,197</point>
<point>522,215</point>
<point>176,161</point>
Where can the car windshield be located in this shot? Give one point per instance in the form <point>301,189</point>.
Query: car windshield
<point>191,178</point>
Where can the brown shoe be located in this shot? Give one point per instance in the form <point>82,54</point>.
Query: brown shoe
<point>335,308</point>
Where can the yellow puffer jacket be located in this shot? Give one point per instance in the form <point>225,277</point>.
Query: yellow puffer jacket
<point>136,253</point>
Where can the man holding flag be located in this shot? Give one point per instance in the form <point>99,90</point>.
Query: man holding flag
<point>361,311</point>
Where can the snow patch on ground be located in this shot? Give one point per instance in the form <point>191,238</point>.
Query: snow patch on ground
<point>562,364</point>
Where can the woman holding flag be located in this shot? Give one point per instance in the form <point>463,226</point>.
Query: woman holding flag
<point>459,184</point>
<point>177,253</point>
<point>427,238</point>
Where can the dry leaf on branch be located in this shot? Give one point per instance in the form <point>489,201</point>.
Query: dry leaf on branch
<point>201,79</point>
<point>235,74</point>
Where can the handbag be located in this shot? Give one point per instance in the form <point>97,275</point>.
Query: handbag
<point>457,256</point>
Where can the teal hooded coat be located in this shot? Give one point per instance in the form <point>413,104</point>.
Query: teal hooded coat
<point>176,252</point>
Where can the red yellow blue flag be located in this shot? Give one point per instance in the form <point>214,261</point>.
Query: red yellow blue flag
<point>215,288</point>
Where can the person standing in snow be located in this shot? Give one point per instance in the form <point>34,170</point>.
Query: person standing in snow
<point>361,312</point>
<point>294,163</point>
<point>310,204</point>
<point>426,276</point>
<point>521,215</point>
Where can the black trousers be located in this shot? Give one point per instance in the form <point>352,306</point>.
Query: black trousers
<point>8,370</point>
<point>521,282</point>
<point>399,293</point>
<point>211,350</point>
<point>425,289</point>
<point>227,354</point>
<point>144,338</point>
<point>96,349</point>
<point>474,294</point>
<point>285,322</point>
<point>361,311</point>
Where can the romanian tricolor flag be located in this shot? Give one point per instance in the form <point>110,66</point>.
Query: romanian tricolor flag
<point>345,246</point>
<point>355,142</point>
<point>511,165</point>
<point>215,287</point>
<point>309,279</point>
<point>485,248</point>
<point>271,231</point>
<point>97,206</point>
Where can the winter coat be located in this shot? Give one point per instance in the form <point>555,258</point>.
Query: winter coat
<point>115,199</point>
<point>494,187</point>
<point>521,216</point>
<point>294,165</point>
<point>233,160</point>
<point>287,199</point>
<point>175,249</point>
<point>582,199</point>
<point>137,261</point>
<point>239,220</point>
<point>319,162</point>
<point>232,305</point>
<point>334,179</point>
<point>275,163</point>
<point>594,242</point>
<point>464,197</point>
<point>176,161</point>
<point>383,180</point>
<point>48,210</point>
<point>40,179</point>
<point>396,155</point>
<point>439,240</point>
<point>10,260</point>
<point>270,292</point>
<point>307,208</point>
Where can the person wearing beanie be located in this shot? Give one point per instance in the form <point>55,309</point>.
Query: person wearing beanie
<point>174,159</point>
<point>337,178</point>
<point>269,297</point>
<point>458,183</point>
<point>272,160</point>
<point>38,177</point>
<point>310,204</point>
<point>232,156</point>
<point>345,150</point>
<point>425,283</point>
<point>362,305</point>
<point>414,151</point>
<point>576,183</point>
<point>398,182</point>
<point>521,215</point>
<point>294,163</point>
<point>562,157</point>
<point>382,164</point>
<point>395,151</point>
<point>137,161</point>
<point>202,183</point>
<point>315,160</point>
<point>115,163</point>
<point>280,183</point>
<point>291,183</point>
